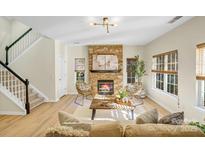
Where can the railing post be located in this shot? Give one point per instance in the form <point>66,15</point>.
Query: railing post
<point>7,55</point>
<point>27,98</point>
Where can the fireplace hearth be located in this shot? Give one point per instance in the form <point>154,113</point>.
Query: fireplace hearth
<point>105,87</point>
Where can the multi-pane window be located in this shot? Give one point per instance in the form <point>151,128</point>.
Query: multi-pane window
<point>172,62</point>
<point>165,67</point>
<point>160,81</point>
<point>200,73</point>
<point>172,84</point>
<point>130,70</point>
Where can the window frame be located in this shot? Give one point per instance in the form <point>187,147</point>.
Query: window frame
<point>166,71</point>
<point>132,77</point>
<point>200,75</point>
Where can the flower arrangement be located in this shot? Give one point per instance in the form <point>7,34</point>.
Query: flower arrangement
<point>122,95</point>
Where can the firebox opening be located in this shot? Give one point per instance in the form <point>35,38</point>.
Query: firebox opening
<point>105,87</point>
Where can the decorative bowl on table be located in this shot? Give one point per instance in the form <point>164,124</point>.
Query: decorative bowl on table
<point>123,102</point>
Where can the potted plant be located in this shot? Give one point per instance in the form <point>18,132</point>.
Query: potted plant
<point>199,125</point>
<point>139,69</point>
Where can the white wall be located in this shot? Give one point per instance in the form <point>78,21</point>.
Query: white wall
<point>17,29</point>
<point>38,65</point>
<point>60,71</point>
<point>130,52</point>
<point>184,39</point>
<point>8,107</point>
<point>5,32</point>
<point>76,52</point>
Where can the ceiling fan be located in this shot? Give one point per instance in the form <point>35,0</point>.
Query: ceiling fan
<point>105,23</point>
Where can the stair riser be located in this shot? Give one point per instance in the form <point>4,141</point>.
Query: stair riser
<point>33,97</point>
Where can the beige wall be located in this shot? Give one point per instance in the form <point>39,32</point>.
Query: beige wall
<point>130,52</point>
<point>60,53</point>
<point>76,52</point>
<point>17,29</point>
<point>5,31</point>
<point>38,65</point>
<point>82,52</point>
<point>184,39</point>
<point>9,107</point>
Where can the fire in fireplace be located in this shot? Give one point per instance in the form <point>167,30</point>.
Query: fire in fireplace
<point>105,87</point>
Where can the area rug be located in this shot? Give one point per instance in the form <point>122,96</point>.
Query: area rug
<point>122,116</point>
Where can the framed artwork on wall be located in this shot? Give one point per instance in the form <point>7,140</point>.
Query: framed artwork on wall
<point>80,76</point>
<point>105,62</point>
<point>79,64</point>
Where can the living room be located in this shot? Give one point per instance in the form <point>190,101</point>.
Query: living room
<point>103,82</point>
<point>102,76</point>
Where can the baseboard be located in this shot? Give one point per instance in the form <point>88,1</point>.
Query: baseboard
<point>159,103</point>
<point>12,113</point>
<point>50,100</point>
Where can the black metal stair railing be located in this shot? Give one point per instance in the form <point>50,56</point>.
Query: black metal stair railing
<point>20,44</point>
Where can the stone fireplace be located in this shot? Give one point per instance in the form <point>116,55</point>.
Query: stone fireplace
<point>102,75</point>
<point>105,87</point>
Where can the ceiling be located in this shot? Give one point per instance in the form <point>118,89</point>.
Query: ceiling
<point>131,30</point>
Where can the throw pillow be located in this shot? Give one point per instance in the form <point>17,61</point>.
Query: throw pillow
<point>66,117</point>
<point>173,119</point>
<point>150,116</point>
<point>63,131</point>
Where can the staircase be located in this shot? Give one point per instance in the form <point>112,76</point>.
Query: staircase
<point>11,84</point>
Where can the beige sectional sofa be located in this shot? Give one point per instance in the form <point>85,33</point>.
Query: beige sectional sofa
<point>79,128</point>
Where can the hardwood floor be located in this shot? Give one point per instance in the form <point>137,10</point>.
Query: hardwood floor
<point>46,115</point>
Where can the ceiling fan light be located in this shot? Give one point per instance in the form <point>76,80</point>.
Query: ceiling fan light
<point>105,20</point>
<point>105,24</point>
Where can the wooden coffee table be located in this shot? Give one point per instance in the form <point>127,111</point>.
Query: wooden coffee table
<point>110,104</point>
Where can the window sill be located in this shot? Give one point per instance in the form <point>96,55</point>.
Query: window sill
<point>201,108</point>
<point>165,93</point>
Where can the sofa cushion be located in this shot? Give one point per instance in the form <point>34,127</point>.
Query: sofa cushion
<point>66,117</point>
<point>106,130</point>
<point>80,126</point>
<point>150,116</point>
<point>173,119</point>
<point>162,130</point>
<point>63,131</point>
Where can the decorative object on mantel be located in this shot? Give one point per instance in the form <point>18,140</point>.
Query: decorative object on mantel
<point>79,64</point>
<point>105,71</point>
<point>105,24</point>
